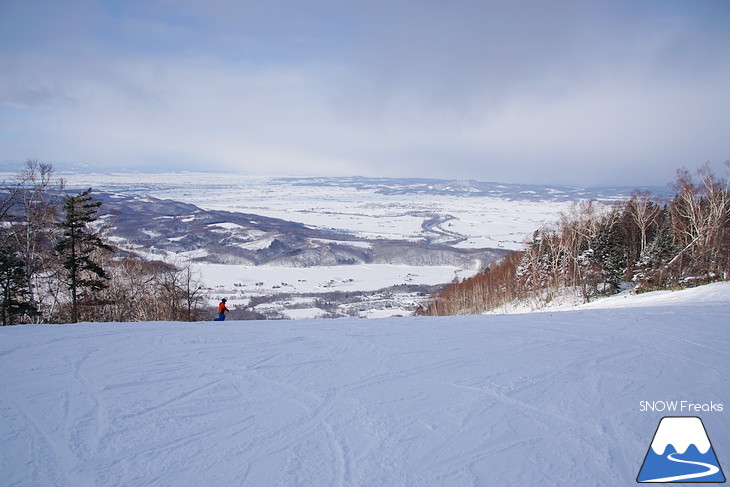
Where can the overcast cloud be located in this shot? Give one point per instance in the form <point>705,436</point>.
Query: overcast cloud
<point>571,92</point>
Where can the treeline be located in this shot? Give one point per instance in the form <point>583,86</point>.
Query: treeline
<point>596,250</point>
<point>56,267</point>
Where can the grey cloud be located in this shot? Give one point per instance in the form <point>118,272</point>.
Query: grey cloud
<point>521,91</point>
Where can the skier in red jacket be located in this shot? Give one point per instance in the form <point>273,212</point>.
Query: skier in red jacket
<point>222,310</point>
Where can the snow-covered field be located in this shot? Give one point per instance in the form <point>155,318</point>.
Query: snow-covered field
<point>483,221</point>
<point>550,399</point>
<point>367,277</point>
<point>240,283</point>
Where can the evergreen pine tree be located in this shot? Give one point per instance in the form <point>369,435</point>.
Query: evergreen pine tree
<point>14,301</point>
<point>662,248</point>
<point>84,275</point>
<point>609,251</point>
<point>652,271</point>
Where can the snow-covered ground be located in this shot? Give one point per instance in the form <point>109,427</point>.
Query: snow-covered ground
<point>550,399</point>
<point>255,281</point>
<point>571,299</point>
<point>239,284</point>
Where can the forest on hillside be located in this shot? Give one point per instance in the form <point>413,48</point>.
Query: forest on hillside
<point>594,250</point>
<point>56,267</point>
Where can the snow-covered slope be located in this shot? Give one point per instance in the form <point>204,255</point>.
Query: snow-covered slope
<point>525,399</point>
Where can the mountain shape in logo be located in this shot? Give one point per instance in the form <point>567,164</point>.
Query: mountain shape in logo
<point>681,452</point>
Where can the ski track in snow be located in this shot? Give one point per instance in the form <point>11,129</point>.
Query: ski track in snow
<point>548,399</point>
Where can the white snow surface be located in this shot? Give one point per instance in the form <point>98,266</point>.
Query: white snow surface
<point>549,399</point>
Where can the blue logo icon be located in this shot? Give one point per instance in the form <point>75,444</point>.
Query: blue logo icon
<point>681,452</point>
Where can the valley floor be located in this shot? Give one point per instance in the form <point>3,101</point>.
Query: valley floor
<point>549,399</point>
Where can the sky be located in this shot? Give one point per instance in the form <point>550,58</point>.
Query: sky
<point>616,92</point>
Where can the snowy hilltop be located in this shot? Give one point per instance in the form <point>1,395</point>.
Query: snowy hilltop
<point>549,399</point>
